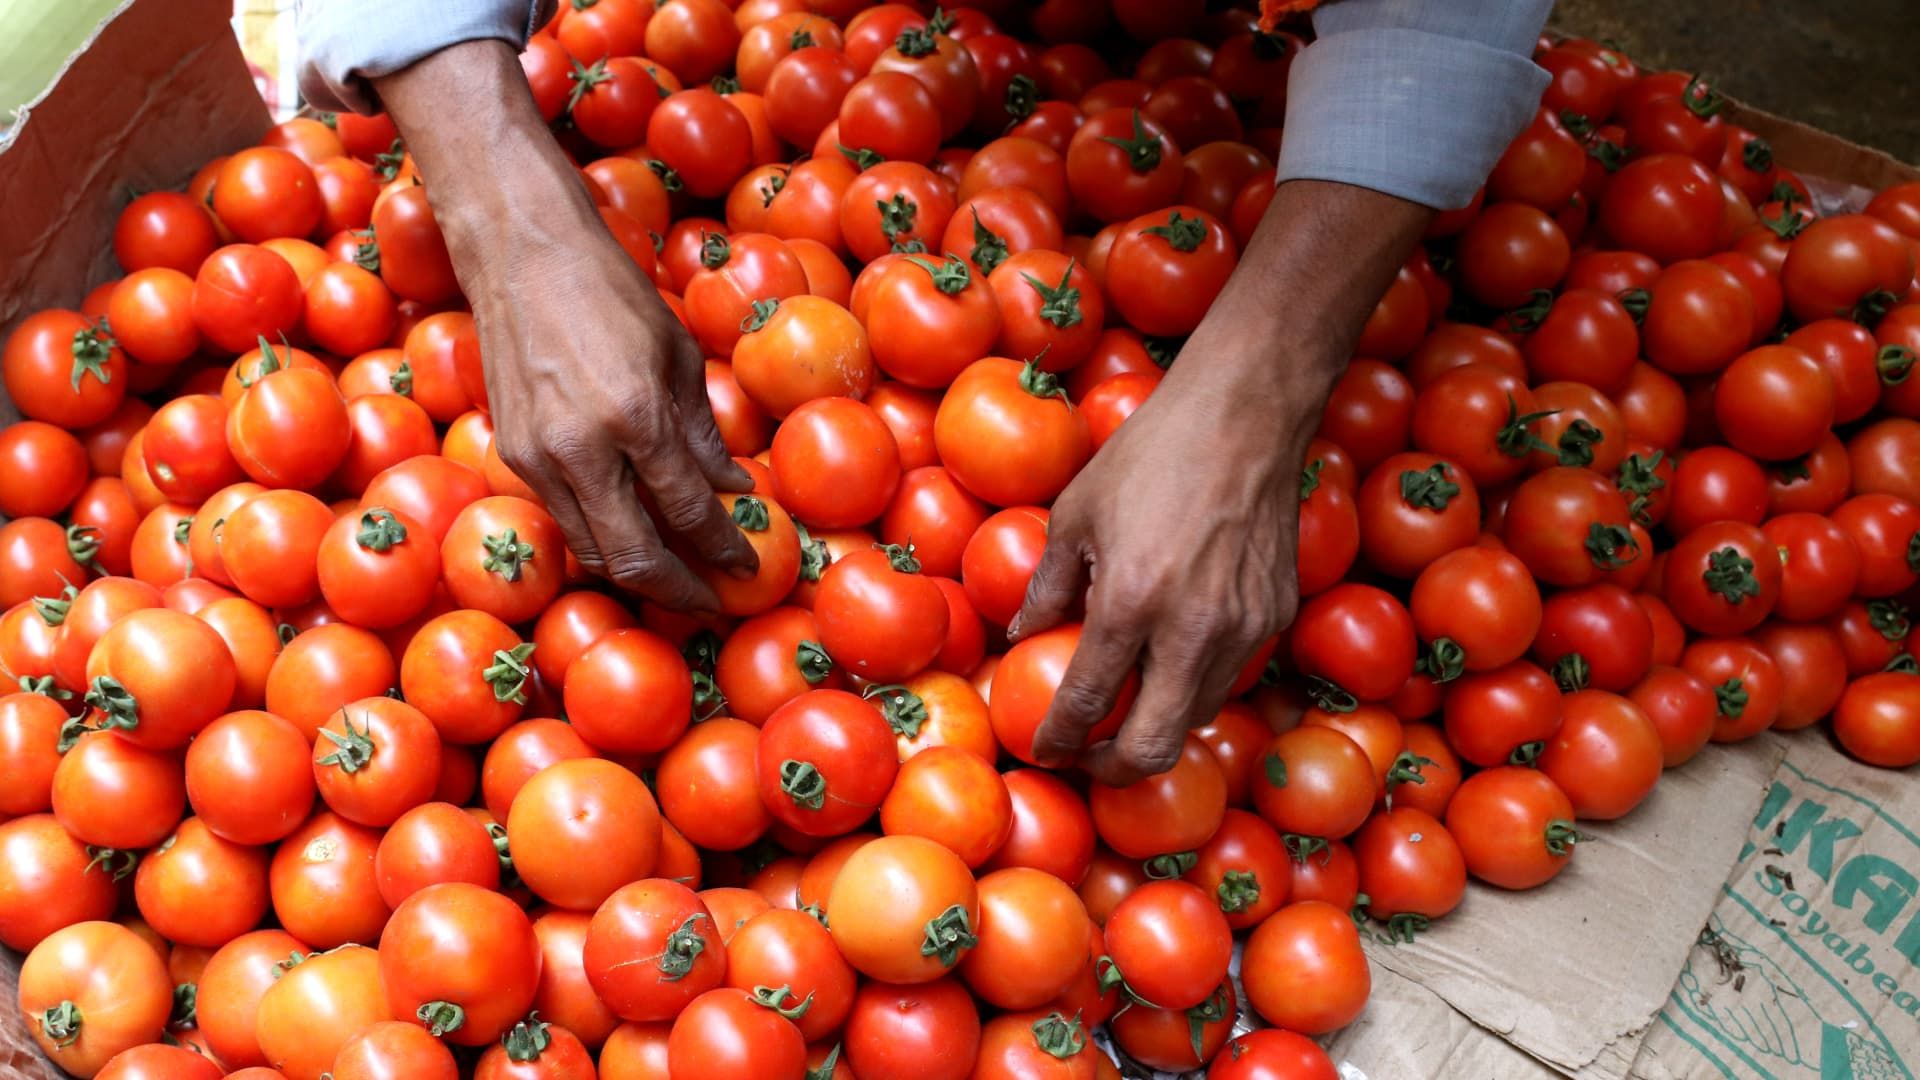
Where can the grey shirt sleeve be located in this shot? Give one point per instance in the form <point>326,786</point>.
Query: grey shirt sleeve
<point>1414,98</point>
<point>345,43</point>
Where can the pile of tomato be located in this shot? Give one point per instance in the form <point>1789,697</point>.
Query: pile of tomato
<point>327,759</point>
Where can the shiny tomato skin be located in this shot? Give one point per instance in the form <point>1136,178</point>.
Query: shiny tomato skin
<point>931,1030</point>
<point>825,761</point>
<point>1337,627</point>
<point>1604,627</point>
<point>1310,975</point>
<point>1025,684</point>
<point>578,816</point>
<point>117,982</point>
<point>1747,685</point>
<point>1878,719</point>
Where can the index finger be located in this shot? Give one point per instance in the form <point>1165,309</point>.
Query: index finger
<point>1087,692</point>
<point>633,555</point>
<point>1179,688</point>
<point>690,508</point>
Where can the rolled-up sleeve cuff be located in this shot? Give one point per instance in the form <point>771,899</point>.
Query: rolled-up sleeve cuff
<point>1411,113</point>
<point>346,43</point>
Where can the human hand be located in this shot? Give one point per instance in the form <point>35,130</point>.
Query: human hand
<point>593,382</point>
<point>1180,534</point>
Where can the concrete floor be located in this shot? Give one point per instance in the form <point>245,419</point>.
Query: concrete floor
<point>1846,66</point>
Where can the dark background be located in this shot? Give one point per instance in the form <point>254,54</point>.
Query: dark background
<point>1851,67</point>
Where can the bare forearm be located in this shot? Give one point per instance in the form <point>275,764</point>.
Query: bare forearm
<point>499,184</point>
<point>1283,328</point>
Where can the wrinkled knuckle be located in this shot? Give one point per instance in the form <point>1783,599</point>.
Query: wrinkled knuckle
<point>1126,605</point>
<point>1082,701</point>
<point>1151,753</point>
<point>634,568</point>
<point>684,510</point>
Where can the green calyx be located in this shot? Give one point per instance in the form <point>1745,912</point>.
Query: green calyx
<point>1181,233</point>
<point>1561,835</point>
<point>61,1024</point>
<point>1169,867</point>
<point>115,703</point>
<point>1428,489</point>
<point>1041,383</point>
<point>1638,478</point>
<point>1303,847</point>
<point>1023,96</point>
<point>83,543</point>
<point>1211,1011</point>
<point>683,947</point>
<point>814,556</point>
<point>1577,443</point>
<point>1635,301</point>
<point>761,313</point>
<point>354,747</point>
<point>800,39</point>
<point>715,251</point>
<point>387,163</point>
<point>527,1040</point>
<point>53,609</point>
<point>1310,478</point>
<point>506,554</point>
<point>380,530</point>
<point>1275,769</point>
<point>509,672</point>
<point>1605,544</point>
<point>182,528</point>
<point>93,346</point>
<point>669,179</point>
<point>1445,660</point>
<point>1757,155</point>
<point>827,1067</point>
<point>950,277</point>
<point>1407,768</point>
<point>1890,618</point>
<point>1895,364</point>
<point>811,660</point>
<point>1059,304</point>
<point>949,934</point>
<point>584,79</point>
<point>1527,318</point>
<point>1143,150</point>
<point>113,862</point>
<point>441,1017</point>
<point>186,1006</point>
<point>901,557</point>
<point>750,513</point>
<point>989,247</point>
<point>1571,672</point>
<point>725,84</point>
<point>45,687</point>
<point>905,711</point>
<point>802,782</point>
<point>1729,575</point>
<point>776,998</point>
<point>1705,102</point>
<point>915,42</point>
<point>862,159</point>
<point>1238,891</point>
<point>366,256</point>
<point>1060,1037</point>
<point>897,216</point>
<point>770,187</point>
<point>1331,696</point>
<point>708,701</point>
<point>1516,437</point>
<point>1526,754</point>
<point>1731,698</point>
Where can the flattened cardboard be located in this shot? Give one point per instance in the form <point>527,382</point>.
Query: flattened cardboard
<point>160,88</point>
<point>1572,973</point>
<point>1806,967</point>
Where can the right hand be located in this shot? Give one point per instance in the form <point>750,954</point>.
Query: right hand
<point>594,384</point>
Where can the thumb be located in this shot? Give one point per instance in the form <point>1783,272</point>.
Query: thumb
<point>709,450</point>
<point>1057,584</point>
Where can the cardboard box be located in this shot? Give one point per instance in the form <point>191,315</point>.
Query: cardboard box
<point>1780,880</point>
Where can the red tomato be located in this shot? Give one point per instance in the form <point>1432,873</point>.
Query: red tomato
<point>1666,205</point>
<point>825,760</point>
<point>1121,164</point>
<point>1747,685</point>
<point>1878,719</point>
<point>1167,267</point>
<point>1005,432</point>
<point>1840,262</point>
<point>1026,681</point>
<point>1514,826</point>
<point>164,229</point>
<point>584,828</point>
<point>1356,637</point>
<point>1308,973</point>
<point>1415,508</point>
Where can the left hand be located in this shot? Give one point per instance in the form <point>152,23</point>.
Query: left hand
<point>1180,534</point>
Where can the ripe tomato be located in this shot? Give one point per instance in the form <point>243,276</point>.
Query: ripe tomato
<point>1569,525</point>
<point>1308,973</point>
<point>413,255</point>
<point>730,1034</point>
<point>1843,261</point>
<point>1664,204</point>
<point>1480,417</point>
<point>1005,437</point>
<point>807,348</point>
<point>1338,628</point>
<point>929,321</point>
<point>1052,829</point>
<point>1410,865</point>
<point>1595,636</point>
<point>156,1061</point>
<point>1508,252</point>
<point>1414,508</point>
<point>199,889</point>
<point>1722,579</point>
<point>1813,671</point>
<point>1682,709</point>
<point>1245,868</point>
<point>1480,599</point>
<point>51,880</point>
<point>377,569</point>
<point>164,229</point>
<point>462,959</point>
<point>1314,782</point>
<point>1026,681</point>
<point>953,796</point>
<point>825,760</point>
<point>502,555</point>
<point>1122,163</point>
<point>324,669</point>
<point>522,751</point>
<point>376,759</point>
<point>159,676</point>
<point>1878,719</point>
<point>91,991</point>
<point>1491,716</point>
<point>467,672</point>
<point>269,547</point>
<point>878,617</point>
<point>1166,268</point>
<point>1177,1039</point>
<point>581,829</point>
<point>243,293</point>
<point>792,949</point>
<point>394,1048</point>
<point>1774,402</point>
<point>915,927</point>
<point>317,1006</point>
<point>431,844</point>
<point>1698,318</point>
<point>702,137</point>
<point>1747,684</point>
<point>1514,826</point>
<point>1882,528</point>
<point>1171,944</point>
<point>1369,413</point>
<point>1000,558</point>
<point>1606,755</point>
<point>835,463</point>
<point>1000,222</point>
<point>1174,812</point>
